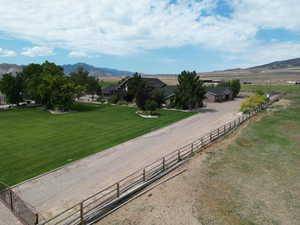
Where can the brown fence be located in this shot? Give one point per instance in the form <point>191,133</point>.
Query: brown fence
<point>106,199</point>
<point>19,208</point>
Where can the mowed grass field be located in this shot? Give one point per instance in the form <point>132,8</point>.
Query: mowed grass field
<point>256,179</point>
<point>33,141</point>
<point>282,88</point>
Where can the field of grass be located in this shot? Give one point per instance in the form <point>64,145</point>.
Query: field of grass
<point>105,84</point>
<point>256,179</point>
<point>33,141</point>
<point>281,88</point>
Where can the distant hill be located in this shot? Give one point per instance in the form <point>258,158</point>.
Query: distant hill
<point>10,68</point>
<point>279,64</point>
<point>94,71</point>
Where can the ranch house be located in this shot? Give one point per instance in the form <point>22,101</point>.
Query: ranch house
<point>153,83</point>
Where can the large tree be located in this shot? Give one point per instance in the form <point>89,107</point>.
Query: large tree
<point>133,84</point>
<point>11,86</point>
<point>89,84</point>
<point>57,92</point>
<point>190,91</point>
<point>234,85</point>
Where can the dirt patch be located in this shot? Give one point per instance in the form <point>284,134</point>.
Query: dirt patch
<point>281,104</point>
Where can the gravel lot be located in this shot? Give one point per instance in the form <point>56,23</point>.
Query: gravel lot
<point>54,192</point>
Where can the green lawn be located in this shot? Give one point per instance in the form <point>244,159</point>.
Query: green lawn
<point>256,180</point>
<point>33,141</point>
<point>105,84</point>
<point>281,88</point>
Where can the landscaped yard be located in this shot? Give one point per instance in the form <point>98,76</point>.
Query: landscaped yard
<point>33,141</point>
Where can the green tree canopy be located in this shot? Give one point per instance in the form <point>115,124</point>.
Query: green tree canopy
<point>190,91</point>
<point>133,85</point>
<point>89,84</point>
<point>11,86</point>
<point>234,85</point>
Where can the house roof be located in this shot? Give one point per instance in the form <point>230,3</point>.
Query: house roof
<point>219,90</point>
<point>151,82</point>
<point>110,89</point>
<point>169,91</point>
<point>154,82</point>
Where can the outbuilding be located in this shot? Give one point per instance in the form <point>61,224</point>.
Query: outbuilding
<point>218,94</point>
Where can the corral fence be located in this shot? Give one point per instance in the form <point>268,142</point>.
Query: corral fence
<point>18,207</point>
<point>99,204</point>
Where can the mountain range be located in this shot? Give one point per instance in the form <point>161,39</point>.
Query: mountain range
<point>106,72</point>
<point>94,71</point>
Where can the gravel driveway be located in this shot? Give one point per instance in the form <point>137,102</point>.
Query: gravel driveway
<point>54,192</point>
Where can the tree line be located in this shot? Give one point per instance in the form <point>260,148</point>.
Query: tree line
<point>189,93</point>
<point>47,84</point>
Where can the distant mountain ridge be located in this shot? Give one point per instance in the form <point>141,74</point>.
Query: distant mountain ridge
<point>94,71</point>
<point>279,64</point>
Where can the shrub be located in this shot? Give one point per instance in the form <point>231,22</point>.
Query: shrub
<point>252,102</point>
<point>151,106</point>
<point>114,99</point>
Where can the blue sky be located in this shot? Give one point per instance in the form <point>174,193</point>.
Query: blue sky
<point>150,36</point>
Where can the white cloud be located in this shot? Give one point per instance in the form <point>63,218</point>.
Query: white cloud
<point>7,53</point>
<point>128,27</point>
<point>76,54</point>
<point>37,51</point>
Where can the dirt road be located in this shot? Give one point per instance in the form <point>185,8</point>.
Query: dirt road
<point>52,193</point>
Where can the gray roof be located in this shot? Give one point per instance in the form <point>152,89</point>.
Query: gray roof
<point>154,82</point>
<point>219,90</point>
<point>151,82</point>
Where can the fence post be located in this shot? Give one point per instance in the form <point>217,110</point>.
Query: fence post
<point>36,219</point>
<point>192,146</point>
<point>144,174</point>
<point>218,132</point>
<point>210,136</point>
<point>179,158</point>
<point>11,200</point>
<point>164,163</point>
<point>224,128</point>
<point>118,190</point>
<point>81,213</point>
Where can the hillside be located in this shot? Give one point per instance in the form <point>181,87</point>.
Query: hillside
<point>94,71</point>
<point>10,68</point>
<point>280,64</point>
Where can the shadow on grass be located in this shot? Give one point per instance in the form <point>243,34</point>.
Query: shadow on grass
<point>87,107</point>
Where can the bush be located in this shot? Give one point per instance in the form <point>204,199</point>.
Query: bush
<point>252,102</point>
<point>151,106</point>
<point>114,99</point>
